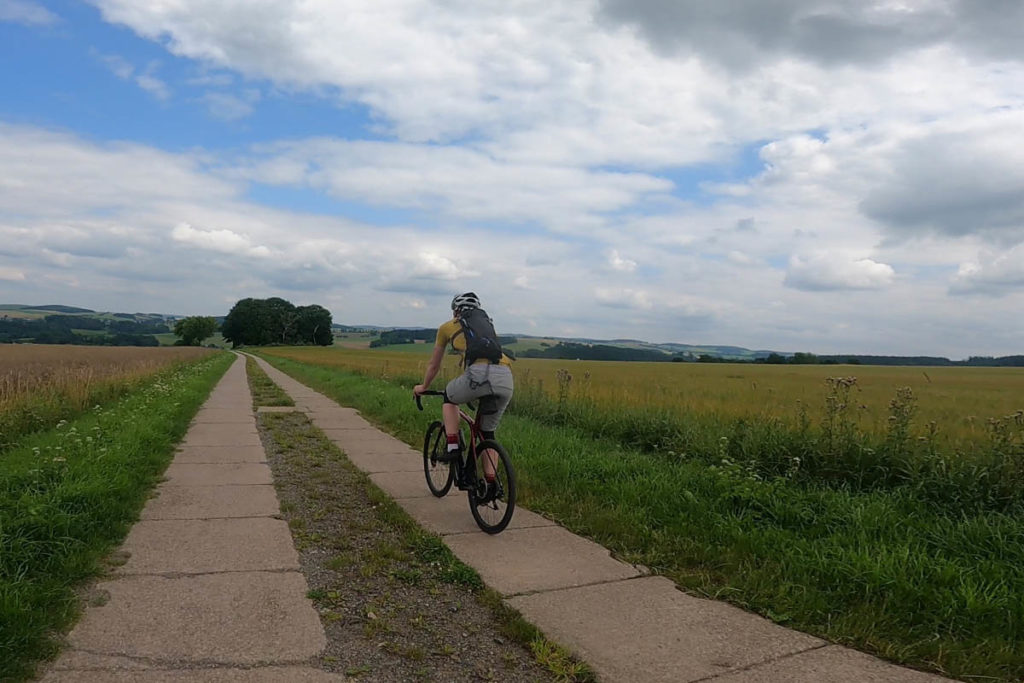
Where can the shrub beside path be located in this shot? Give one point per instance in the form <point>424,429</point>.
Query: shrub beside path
<point>628,625</point>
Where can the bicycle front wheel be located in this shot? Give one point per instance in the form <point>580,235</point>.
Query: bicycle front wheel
<point>439,473</point>
<point>492,501</point>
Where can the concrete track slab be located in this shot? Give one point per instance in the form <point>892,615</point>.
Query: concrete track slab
<point>227,406</point>
<point>410,484</point>
<point>205,430</point>
<point>347,426</point>
<point>276,674</point>
<point>236,618</point>
<point>451,514</point>
<point>198,546</point>
<point>647,631</point>
<point>537,559</point>
<point>78,660</point>
<point>222,416</point>
<point>222,435</point>
<point>832,663</point>
<point>332,409</point>
<point>386,462</point>
<point>220,474</point>
<point>314,404</point>
<point>194,455</point>
<point>211,502</point>
<point>368,441</point>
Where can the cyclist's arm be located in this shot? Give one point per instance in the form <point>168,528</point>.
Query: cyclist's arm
<point>433,367</point>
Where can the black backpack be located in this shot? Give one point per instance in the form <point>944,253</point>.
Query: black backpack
<point>481,340</point>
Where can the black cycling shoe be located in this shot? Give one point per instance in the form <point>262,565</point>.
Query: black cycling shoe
<point>449,456</point>
<point>490,494</point>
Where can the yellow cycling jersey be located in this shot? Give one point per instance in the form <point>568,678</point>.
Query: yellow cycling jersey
<point>451,331</point>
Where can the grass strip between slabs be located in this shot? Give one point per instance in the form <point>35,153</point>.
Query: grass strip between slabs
<point>873,570</point>
<point>69,495</point>
<point>391,596</point>
<point>264,391</point>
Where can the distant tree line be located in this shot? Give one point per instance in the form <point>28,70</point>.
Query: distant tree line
<point>262,322</point>
<point>812,359</point>
<point>574,351</point>
<point>60,329</point>
<point>390,337</point>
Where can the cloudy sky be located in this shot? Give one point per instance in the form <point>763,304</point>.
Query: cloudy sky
<point>828,176</point>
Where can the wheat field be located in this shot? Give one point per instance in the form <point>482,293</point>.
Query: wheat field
<point>959,400</point>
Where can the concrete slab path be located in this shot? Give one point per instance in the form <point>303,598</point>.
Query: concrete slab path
<point>628,626</point>
<point>211,589</point>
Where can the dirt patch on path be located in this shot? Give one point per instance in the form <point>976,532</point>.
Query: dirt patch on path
<point>395,603</point>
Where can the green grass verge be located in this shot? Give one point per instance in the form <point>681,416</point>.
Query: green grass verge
<point>69,495</point>
<point>264,391</point>
<point>873,569</point>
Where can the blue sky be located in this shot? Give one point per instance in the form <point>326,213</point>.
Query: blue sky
<point>592,168</point>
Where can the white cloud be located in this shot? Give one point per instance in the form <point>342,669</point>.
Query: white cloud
<point>547,82</point>
<point>993,273</point>
<point>434,266</point>
<point>26,12</point>
<point>415,304</point>
<point>224,241</point>
<point>620,264</point>
<point>741,258</point>
<point>825,272</point>
<point>11,274</point>
<point>466,183</point>
<point>154,86</point>
<point>623,298</point>
<point>228,107</point>
<point>145,79</point>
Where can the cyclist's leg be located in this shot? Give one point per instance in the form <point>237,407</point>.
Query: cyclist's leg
<point>492,407</point>
<point>459,390</point>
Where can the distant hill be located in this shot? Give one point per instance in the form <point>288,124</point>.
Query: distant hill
<point>57,308</point>
<point>91,327</point>
<point>57,324</point>
<point>49,308</point>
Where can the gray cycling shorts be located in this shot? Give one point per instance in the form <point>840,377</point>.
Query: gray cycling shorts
<point>490,384</point>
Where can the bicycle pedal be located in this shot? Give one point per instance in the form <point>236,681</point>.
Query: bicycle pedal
<point>451,456</point>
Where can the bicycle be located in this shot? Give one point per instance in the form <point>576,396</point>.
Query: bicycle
<point>491,506</point>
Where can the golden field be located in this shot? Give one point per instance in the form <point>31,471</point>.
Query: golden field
<point>73,374</point>
<point>959,400</point>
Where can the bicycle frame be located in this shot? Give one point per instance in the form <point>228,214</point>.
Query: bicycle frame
<point>475,434</point>
<point>488,494</point>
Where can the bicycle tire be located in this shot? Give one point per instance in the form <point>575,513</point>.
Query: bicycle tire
<point>439,474</point>
<point>505,504</point>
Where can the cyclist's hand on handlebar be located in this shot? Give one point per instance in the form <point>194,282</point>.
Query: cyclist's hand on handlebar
<point>418,390</point>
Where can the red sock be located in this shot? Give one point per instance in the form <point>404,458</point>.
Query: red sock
<point>453,441</point>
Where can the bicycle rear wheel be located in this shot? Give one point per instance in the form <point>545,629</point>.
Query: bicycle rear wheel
<point>439,474</point>
<point>492,503</point>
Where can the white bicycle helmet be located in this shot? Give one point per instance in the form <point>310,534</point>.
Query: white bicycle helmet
<point>467,300</point>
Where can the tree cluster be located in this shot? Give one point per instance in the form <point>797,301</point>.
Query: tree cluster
<point>194,329</point>
<point>262,322</point>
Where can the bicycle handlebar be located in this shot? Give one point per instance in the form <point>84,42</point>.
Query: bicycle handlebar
<point>419,404</point>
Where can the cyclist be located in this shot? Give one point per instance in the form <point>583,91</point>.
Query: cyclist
<point>487,380</point>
